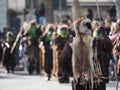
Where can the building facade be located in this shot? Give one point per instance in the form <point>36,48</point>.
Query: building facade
<point>23,6</point>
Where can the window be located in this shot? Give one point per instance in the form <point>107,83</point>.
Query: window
<point>31,3</point>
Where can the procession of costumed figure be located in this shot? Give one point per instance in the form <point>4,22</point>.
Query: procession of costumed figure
<point>60,39</point>
<point>8,56</point>
<point>65,63</point>
<point>33,35</point>
<point>116,52</point>
<point>46,38</point>
<point>82,55</point>
<point>116,49</point>
<point>65,59</point>
<point>102,54</point>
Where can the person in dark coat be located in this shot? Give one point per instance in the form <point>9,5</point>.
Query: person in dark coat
<point>60,41</point>
<point>46,38</point>
<point>40,14</point>
<point>9,58</point>
<point>65,63</point>
<point>33,35</point>
<point>90,14</point>
<point>102,45</point>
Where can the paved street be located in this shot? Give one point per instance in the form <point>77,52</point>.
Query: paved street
<point>23,81</point>
<point>30,82</point>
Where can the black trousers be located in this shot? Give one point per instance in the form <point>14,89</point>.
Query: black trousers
<point>9,60</point>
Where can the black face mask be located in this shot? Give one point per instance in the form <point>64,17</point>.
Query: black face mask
<point>88,25</point>
<point>51,29</point>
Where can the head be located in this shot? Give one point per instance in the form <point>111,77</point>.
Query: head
<point>40,6</point>
<point>83,25</point>
<point>63,31</point>
<point>25,27</point>
<point>107,23</point>
<point>101,33</point>
<point>9,37</point>
<point>50,28</point>
<point>90,14</point>
<point>49,31</point>
<point>5,29</point>
<point>9,33</point>
<point>69,22</point>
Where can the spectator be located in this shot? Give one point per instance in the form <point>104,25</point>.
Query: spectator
<point>9,58</point>
<point>40,14</point>
<point>115,32</point>
<point>90,14</point>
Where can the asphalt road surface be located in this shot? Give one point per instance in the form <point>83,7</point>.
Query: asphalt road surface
<point>23,81</point>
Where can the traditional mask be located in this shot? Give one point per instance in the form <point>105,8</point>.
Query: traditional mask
<point>49,34</point>
<point>32,30</point>
<point>64,33</point>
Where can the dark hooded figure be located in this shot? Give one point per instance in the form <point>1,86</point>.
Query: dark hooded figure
<point>65,63</point>
<point>40,13</point>
<point>60,41</point>
<point>33,49</point>
<point>47,42</point>
<point>102,45</point>
<point>9,58</point>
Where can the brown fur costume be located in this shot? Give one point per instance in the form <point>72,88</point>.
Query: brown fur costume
<point>58,47</point>
<point>82,52</point>
<point>65,63</point>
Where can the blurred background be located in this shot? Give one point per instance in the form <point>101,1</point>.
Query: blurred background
<point>36,44</point>
<point>14,12</point>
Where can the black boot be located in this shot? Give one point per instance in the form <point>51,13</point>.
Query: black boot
<point>64,78</point>
<point>49,76</point>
